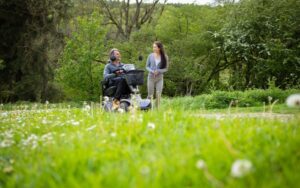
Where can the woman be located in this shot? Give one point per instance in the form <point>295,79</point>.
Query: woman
<point>157,65</point>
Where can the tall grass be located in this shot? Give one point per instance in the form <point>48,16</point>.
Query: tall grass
<point>75,147</point>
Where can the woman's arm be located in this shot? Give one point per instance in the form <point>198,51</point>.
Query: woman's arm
<point>148,65</point>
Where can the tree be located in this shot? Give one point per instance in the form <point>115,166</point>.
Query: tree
<point>129,17</point>
<point>79,73</point>
<point>30,43</point>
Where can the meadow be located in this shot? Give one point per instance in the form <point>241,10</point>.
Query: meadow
<point>63,145</point>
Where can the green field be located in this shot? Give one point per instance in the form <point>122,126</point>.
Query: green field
<point>77,147</point>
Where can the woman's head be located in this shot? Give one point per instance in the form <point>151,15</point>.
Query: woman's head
<point>159,49</point>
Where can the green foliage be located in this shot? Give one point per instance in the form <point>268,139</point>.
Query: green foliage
<point>185,32</point>
<point>260,39</point>
<point>79,74</point>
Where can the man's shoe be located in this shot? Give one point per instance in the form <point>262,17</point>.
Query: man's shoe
<point>115,104</point>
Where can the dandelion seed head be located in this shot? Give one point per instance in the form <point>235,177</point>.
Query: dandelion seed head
<point>293,100</point>
<point>120,110</point>
<point>151,125</point>
<point>200,164</point>
<point>240,168</point>
<point>113,134</point>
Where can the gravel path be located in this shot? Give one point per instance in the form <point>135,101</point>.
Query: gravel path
<point>246,115</point>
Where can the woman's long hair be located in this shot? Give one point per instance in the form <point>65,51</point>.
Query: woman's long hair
<point>162,54</point>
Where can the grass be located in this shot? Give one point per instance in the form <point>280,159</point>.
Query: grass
<point>64,146</point>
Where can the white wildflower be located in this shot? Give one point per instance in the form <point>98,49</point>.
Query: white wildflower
<point>44,121</point>
<point>91,128</point>
<point>75,123</point>
<point>151,125</point>
<point>8,134</point>
<point>270,98</point>
<point>113,134</point>
<point>241,168</point>
<point>32,141</point>
<point>106,99</point>
<point>87,108</point>
<point>46,102</point>
<point>6,143</point>
<point>4,114</point>
<point>121,110</point>
<point>140,118</point>
<point>145,170</point>
<point>293,100</point>
<point>200,164</point>
<point>46,137</point>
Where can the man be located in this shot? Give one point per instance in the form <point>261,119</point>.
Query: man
<point>112,72</point>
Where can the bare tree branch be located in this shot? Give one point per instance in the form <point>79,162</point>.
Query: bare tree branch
<point>131,16</point>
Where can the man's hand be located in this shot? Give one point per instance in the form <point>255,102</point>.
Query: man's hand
<point>118,72</point>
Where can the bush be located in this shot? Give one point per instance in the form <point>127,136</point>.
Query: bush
<point>223,99</point>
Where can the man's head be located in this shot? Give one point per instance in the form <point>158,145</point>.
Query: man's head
<point>115,55</point>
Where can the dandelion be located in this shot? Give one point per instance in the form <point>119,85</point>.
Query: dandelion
<point>200,164</point>
<point>241,168</point>
<point>293,100</point>
<point>151,126</point>
<point>46,102</point>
